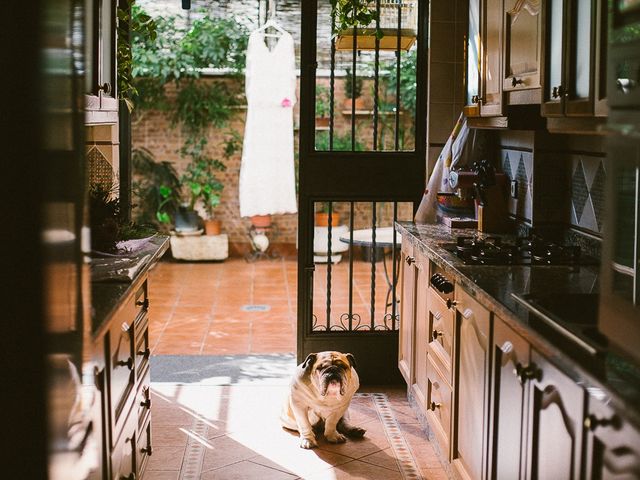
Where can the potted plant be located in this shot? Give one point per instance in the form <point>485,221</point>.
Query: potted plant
<point>322,106</point>
<point>353,90</point>
<point>201,185</point>
<point>322,216</point>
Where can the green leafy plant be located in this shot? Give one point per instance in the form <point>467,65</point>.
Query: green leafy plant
<point>202,184</point>
<point>156,189</point>
<point>341,142</point>
<point>348,14</point>
<point>352,89</point>
<point>322,101</point>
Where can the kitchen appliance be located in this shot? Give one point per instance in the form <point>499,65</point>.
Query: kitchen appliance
<point>534,250</point>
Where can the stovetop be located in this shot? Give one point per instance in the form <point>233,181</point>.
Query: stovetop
<point>473,250</point>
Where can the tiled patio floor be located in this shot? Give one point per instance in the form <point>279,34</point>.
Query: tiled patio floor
<point>208,426</point>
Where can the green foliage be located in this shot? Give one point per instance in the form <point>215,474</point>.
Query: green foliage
<point>156,189</point>
<point>352,13</point>
<point>408,85</point>
<point>199,105</point>
<point>352,89</point>
<point>322,101</point>
<point>341,142</point>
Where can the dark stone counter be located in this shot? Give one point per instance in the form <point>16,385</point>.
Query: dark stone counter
<point>610,377</point>
<point>107,296</point>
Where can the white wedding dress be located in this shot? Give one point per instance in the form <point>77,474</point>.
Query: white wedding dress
<point>267,177</point>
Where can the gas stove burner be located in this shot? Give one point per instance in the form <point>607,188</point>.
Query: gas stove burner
<point>534,250</point>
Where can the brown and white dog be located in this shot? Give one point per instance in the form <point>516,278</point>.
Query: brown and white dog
<point>320,393</point>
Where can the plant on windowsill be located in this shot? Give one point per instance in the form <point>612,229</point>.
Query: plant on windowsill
<point>353,90</point>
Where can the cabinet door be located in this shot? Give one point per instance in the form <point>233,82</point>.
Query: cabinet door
<point>472,108</point>
<point>421,334</point>
<point>510,359</point>
<point>554,90</point>
<point>471,386</point>
<point>491,80</point>
<point>441,326</point>
<point>556,409</point>
<point>407,310</point>
<point>613,445</point>
<point>522,41</point>
<point>439,403</point>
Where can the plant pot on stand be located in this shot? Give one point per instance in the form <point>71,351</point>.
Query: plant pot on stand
<point>212,226</point>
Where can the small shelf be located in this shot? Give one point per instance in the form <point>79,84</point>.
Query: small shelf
<point>366,39</point>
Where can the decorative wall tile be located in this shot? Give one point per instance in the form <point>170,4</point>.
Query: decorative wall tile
<point>587,192</point>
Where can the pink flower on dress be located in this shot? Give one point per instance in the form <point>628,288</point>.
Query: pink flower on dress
<point>286,102</point>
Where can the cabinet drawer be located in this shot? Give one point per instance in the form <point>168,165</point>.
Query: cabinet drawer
<point>121,371</point>
<point>143,351</point>
<point>142,405</point>
<point>123,456</point>
<point>145,449</point>
<point>439,403</point>
<point>441,326</point>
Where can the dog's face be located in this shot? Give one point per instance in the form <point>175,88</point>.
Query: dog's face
<point>330,372</point>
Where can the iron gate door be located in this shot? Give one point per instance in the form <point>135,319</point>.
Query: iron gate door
<point>364,171</point>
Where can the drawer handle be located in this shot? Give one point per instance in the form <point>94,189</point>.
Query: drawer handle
<point>128,363</point>
<point>436,334</point>
<point>434,406</point>
<point>451,303</point>
<point>146,403</point>
<point>410,260</point>
<point>131,476</point>
<point>516,81</point>
<point>592,422</point>
<point>148,450</point>
<point>144,304</point>
<point>145,353</point>
<point>530,372</point>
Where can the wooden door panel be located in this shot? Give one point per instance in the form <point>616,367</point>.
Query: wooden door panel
<point>407,305</point>
<point>510,355</point>
<point>491,104</point>
<point>439,406</point>
<point>421,333</point>
<point>522,31</point>
<point>555,425</point>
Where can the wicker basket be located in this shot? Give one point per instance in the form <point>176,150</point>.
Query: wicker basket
<point>389,25</point>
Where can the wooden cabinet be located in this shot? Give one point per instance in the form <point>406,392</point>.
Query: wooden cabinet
<point>555,416</point>
<point>439,407</point>
<point>100,60</point>
<point>574,68</point>
<point>124,383</point>
<point>484,59</point>
<point>421,342</point>
<point>407,312</point>
<point>441,331</point>
<point>612,444</point>
<point>522,51</point>
<point>471,386</point>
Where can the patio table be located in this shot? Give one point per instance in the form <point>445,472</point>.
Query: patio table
<point>384,240</point>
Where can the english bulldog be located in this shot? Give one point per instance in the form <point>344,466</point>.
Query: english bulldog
<point>319,396</point>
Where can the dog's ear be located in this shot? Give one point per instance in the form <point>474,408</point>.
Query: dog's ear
<point>309,361</point>
<point>352,360</point>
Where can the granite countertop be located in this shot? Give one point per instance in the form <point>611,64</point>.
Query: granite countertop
<point>615,381</point>
<point>107,296</point>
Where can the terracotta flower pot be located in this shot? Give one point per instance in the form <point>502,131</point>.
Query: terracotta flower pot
<point>322,219</point>
<point>261,221</point>
<point>322,122</point>
<point>212,227</point>
<point>359,104</point>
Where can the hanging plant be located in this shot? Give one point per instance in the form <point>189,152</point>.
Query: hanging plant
<point>349,14</point>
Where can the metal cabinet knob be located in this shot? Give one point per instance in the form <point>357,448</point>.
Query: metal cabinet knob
<point>592,422</point>
<point>131,476</point>
<point>146,403</point>
<point>410,260</point>
<point>144,304</point>
<point>451,303</point>
<point>436,334</point>
<point>526,373</point>
<point>126,363</point>
<point>106,88</point>
<point>148,450</point>
<point>145,353</point>
<point>516,81</point>
<point>434,406</point>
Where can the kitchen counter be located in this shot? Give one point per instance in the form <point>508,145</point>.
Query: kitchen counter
<point>107,296</point>
<point>615,381</point>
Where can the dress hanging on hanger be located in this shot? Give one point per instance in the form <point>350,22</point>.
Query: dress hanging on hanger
<point>267,176</point>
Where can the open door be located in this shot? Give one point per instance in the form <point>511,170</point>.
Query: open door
<point>366,170</point>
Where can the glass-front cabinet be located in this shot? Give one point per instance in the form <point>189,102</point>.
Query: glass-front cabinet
<point>574,70</point>
<point>484,59</point>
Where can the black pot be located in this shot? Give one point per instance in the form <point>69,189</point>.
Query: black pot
<point>187,220</point>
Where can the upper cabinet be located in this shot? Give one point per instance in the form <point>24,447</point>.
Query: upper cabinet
<point>574,67</point>
<point>522,51</point>
<point>100,53</point>
<point>484,54</point>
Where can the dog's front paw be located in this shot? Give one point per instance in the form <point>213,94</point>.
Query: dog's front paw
<point>355,432</point>
<point>308,442</point>
<point>335,437</point>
